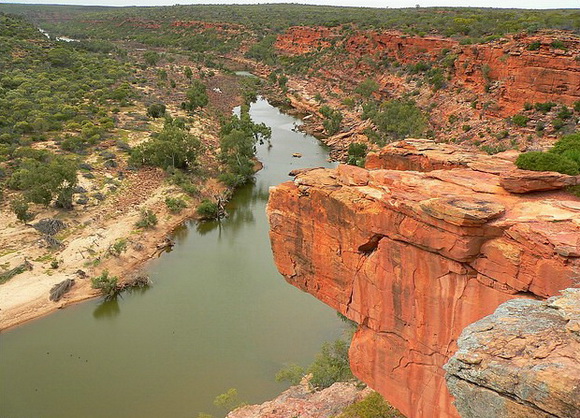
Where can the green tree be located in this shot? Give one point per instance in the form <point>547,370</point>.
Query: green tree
<point>172,147</point>
<point>196,96</point>
<point>398,119</point>
<point>20,208</point>
<point>156,110</point>
<point>42,181</point>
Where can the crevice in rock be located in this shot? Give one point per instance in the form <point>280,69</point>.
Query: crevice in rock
<point>371,245</point>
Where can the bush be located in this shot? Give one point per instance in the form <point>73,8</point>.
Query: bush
<point>196,96</point>
<point>207,209</point>
<point>107,285</point>
<point>119,247</point>
<point>400,119</point>
<point>520,120</point>
<point>20,208</point>
<point>373,406</point>
<point>569,147</point>
<point>292,373</point>
<point>229,400</point>
<point>547,161</point>
<point>534,46</point>
<point>331,365</point>
<point>156,110</point>
<point>357,153</point>
<point>148,219</point>
<point>544,107</point>
<point>175,204</point>
<point>332,121</point>
<point>173,147</point>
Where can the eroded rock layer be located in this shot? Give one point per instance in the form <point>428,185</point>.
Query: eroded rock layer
<point>519,69</point>
<point>415,257</point>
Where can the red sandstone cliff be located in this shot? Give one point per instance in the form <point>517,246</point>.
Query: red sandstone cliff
<point>415,257</point>
<point>510,72</point>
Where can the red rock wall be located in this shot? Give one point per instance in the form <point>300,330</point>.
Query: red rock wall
<point>414,258</point>
<point>512,73</point>
<point>521,75</point>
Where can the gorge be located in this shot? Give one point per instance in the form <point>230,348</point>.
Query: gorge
<point>414,257</point>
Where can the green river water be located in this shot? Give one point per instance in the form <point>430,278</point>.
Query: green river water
<point>218,315</point>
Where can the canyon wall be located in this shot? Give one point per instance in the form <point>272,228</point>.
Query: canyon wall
<point>415,257</point>
<point>511,71</point>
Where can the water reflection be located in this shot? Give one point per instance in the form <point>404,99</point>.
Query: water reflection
<point>107,309</point>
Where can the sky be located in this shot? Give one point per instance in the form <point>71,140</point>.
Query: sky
<point>527,4</point>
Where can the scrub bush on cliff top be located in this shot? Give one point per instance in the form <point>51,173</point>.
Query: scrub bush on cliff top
<point>563,157</point>
<point>545,161</point>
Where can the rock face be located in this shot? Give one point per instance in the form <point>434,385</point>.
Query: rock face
<point>415,257</point>
<point>522,361</point>
<point>301,401</point>
<point>516,70</point>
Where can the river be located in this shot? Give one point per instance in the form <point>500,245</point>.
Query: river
<point>218,316</point>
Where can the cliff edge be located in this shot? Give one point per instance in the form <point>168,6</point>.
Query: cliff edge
<point>414,257</point>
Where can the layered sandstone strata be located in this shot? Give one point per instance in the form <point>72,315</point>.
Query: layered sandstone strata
<point>514,70</point>
<point>415,257</point>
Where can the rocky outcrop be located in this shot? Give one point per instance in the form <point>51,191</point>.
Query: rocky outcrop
<point>415,257</point>
<point>525,181</point>
<point>524,69</point>
<point>302,401</point>
<point>511,71</point>
<point>522,361</point>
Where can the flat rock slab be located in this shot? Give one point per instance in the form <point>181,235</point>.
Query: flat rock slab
<point>526,181</point>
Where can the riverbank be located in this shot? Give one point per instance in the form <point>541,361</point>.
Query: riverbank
<point>88,245</point>
<point>93,232</point>
<point>218,316</point>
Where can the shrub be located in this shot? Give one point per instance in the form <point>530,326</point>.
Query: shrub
<point>534,46</point>
<point>148,219</point>
<point>20,208</point>
<point>332,121</point>
<point>229,400</point>
<point>373,406</point>
<point>546,161</point>
<point>520,120</point>
<point>544,107</point>
<point>207,209</point>
<point>356,154</point>
<point>557,124</point>
<point>569,147</point>
<point>156,110</point>
<point>175,204</point>
<point>107,285</point>
<point>173,147</point>
<point>331,365</point>
<point>292,373</point>
<point>577,106</point>
<point>119,247</point>
<point>366,88</point>
<point>196,96</point>
<point>400,119</point>
<point>564,113</point>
